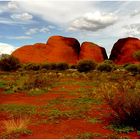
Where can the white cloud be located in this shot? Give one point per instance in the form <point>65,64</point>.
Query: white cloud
<point>32,31</point>
<point>132,30</point>
<point>23,16</point>
<point>37,30</point>
<point>6,48</point>
<point>44,30</point>
<point>93,21</point>
<point>135,13</point>
<point>12,5</point>
<point>57,12</point>
<point>19,37</point>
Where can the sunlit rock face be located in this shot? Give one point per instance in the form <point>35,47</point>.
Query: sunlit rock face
<point>91,51</point>
<point>63,49</point>
<point>57,49</point>
<point>32,53</point>
<point>124,49</point>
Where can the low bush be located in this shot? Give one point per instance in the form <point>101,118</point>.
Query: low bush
<point>31,66</point>
<point>124,99</point>
<point>133,68</point>
<point>73,66</point>
<point>107,67</point>
<point>53,66</point>
<point>136,55</point>
<point>86,65</point>
<point>62,66</point>
<point>9,63</point>
<point>46,66</point>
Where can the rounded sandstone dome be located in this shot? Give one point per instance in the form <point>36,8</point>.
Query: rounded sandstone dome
<point>91,51</point>
<point>57,49</point>
<point>124,49</point>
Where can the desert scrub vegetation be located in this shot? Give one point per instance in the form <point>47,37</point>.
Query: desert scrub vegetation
<point>31,66</point>
<point>16,126</point>
<point>136,55</point>
<point>9,63</point>
<point>33,83</point>
<point>106,66</point>
<point>47,66</point>
<point>62,66</point>
<point>61,108</point>
<point>86,65</point>
<point>18,109</point>
<point>133,68</point>
<point>124,99</point>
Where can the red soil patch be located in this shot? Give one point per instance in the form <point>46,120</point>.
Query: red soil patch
<point>65,127</point>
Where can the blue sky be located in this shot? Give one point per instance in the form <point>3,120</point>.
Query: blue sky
<point>102,22</point>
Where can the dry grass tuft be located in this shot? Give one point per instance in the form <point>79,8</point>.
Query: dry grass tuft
<point>16,125</point>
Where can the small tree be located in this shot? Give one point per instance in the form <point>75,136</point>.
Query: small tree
<point>9,63</point>
<point>86,65</point>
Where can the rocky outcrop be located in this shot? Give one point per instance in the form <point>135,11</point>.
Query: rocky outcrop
<point>63,49</point>
<point>124,49</point>
<point>32,53</point>
<point>91,51</point>
<point>57,49</point>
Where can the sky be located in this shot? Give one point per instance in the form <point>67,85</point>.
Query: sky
<point>25,22</point>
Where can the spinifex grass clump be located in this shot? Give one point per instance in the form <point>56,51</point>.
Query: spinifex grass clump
<point>124,99</point>
<point>16,125</point>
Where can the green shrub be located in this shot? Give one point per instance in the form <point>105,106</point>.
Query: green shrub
<point>86,65</point>
<point>31,66</point>
<point>9,63</point>
<point>133,68</point>
<point>108,62</point>
<point>46,66</point>
<point>53,66</point>
<point>62,66</point>
<point>136,55</point>
<point>73,66</point>
<point>107,67</point>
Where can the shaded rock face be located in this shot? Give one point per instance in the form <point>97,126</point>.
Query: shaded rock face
<point>91,51</point>
<point>57,49</point>
<point>124,49</point>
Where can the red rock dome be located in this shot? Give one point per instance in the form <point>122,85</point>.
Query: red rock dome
<point>92,51</point>
<point>63,49</point>
<point>57,49</point>
<point>124,49</point>
<point>32,53</point>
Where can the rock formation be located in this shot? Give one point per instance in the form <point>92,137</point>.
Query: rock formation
<point>63,49</point>
<point>124,49</point>
<point>57,49</point>
<point>93,52</point>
